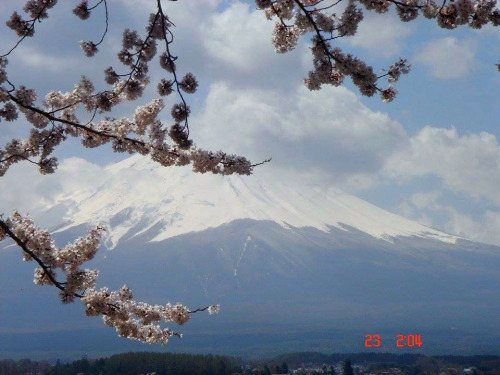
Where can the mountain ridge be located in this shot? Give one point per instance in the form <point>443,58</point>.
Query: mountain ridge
<point>174,201</point>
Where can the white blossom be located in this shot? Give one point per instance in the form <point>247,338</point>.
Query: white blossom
<point>146,115</point>
<point>284,38</point>
<point>88,48</point>
<point>189,83</point>
<point>9,112</point>
<point>180,112</point>
<point>82,10</point>
<point>165,87</point>
<point>213,309</point>
<point>263,4</point>
<point>110,76</point>
<point>388,94</point>
<point>167,63</point>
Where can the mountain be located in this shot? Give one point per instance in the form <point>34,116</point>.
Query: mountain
<point>139,196</point>
<point>293,266</point>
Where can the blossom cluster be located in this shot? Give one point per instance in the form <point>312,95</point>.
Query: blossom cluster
<point>36,10</point>
<point>331,64</point>
<point>131,319</point>
<point>68,260</point>
<point>58,117</point>
<point>43,139</point>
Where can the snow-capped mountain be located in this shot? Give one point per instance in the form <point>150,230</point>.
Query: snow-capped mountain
<point>294,267</point>
<point>138,195</point>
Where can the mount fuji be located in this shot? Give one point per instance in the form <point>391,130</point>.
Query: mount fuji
<point>294,267</point>
<point>139,196</point>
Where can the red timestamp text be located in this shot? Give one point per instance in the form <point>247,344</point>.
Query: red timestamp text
<point>372,341</point>
<point>402,341</point>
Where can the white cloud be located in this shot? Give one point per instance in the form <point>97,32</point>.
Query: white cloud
<point>381,35</point>
<point>467,164</point>
<point>358,181</point>
<point>239,37</point>
<point>448,58</point>
<point>463,225</point>
<point>328,130</point>
<point>483,229</point>
<point>180,12</point>
<point>26,190</point>
<point>37,59</point>
<point>421,207</point>
<point>428,209</point>
<point>237,46</point>
<point>425,200</point>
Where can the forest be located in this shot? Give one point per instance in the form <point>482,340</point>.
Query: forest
<point>154,363</point>
<point>130,364</point>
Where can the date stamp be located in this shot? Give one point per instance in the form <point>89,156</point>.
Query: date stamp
<point>402,341</point>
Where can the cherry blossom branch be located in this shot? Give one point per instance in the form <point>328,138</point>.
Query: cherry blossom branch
<point>106,20</point>
<point>38,11</point>
<point>332,64</point>
<point>83,11</point>
<point>94,136</point>
<point>22,244</point>
<point>189,87</point>
<point>134,320</point>
<point>151,133</point>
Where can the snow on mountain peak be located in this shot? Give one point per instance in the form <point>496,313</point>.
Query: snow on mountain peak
<point>138,195</point>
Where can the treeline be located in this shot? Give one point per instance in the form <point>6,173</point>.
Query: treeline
<point>130,364</point>
<point>189,364</point>
<point>296,359</point>
<point>147,363</point>
<point>23,366</point>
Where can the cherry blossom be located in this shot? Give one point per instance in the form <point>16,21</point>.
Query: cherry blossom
<point>131,319</point>
<point>321,18</point>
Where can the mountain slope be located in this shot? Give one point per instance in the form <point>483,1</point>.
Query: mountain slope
<point>137,196</point>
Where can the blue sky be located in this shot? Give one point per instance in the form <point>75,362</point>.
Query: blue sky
<point>431,155</point>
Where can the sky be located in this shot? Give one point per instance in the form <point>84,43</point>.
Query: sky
<point>432,155</point>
